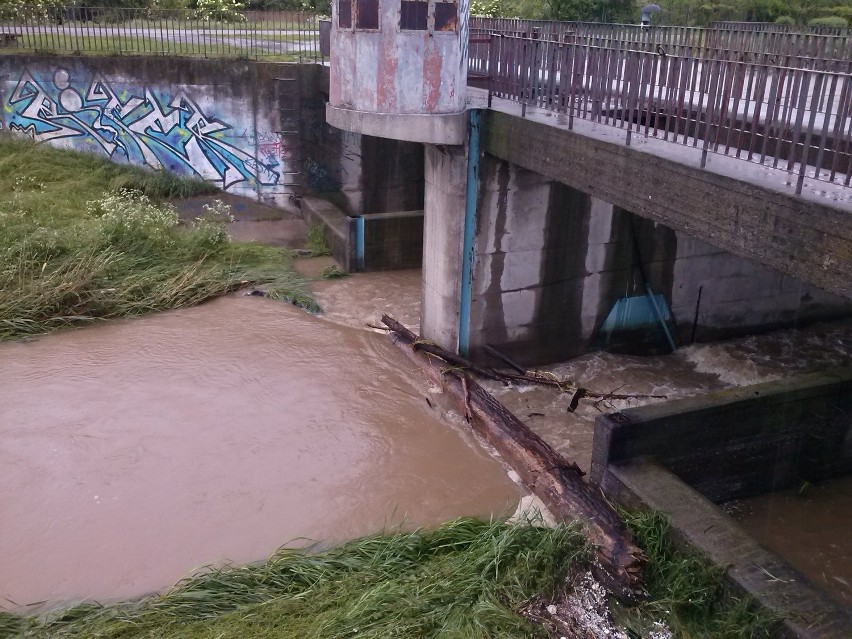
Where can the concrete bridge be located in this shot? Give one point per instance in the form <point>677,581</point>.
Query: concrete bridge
<point>568,222</point>
<point>595,195</point>
<point>592,196</point>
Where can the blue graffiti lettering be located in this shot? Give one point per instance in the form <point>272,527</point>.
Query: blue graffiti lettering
<point>159,131</point>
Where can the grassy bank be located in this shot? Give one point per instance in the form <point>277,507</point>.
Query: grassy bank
<point>688,592</point>
<point>465,579</point>
<point>83,240</point>
<point>462,580</point>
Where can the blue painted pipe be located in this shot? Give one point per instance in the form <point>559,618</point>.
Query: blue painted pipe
<point>359,243</point>
<point>471,192</point>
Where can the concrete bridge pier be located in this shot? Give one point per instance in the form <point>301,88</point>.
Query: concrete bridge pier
<point>526,240</point>
<point>444,218</point>
<point>544,272</point>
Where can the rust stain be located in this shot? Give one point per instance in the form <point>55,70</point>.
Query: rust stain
<point>386,79</point>
<point>432,67</point>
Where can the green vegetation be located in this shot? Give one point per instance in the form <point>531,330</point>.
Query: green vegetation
<point>834,22</point>
<point>462,580</point>
<point>315,242</point>
<point>682,12</point>
<point>333,272</point>
<point>83,240</point>
<point>120,10</point>
<point>689,592</point>
<point>465,579</point>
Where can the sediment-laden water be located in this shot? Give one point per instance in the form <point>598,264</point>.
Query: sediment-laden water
<point>135,451</point>
<point>786,522</point>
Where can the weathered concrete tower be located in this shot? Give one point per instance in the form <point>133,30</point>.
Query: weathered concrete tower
<point>399,69</point>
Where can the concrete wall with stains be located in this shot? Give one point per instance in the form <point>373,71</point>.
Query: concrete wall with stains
<point>552,263</point>
<point>399,67</point>
<point>252,129</point>
<point>360,174</point>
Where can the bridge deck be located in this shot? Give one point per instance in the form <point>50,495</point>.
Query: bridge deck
<point>782,181</point>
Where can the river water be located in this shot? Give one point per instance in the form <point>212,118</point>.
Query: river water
<point>136,451</point>
<point>811,531</point>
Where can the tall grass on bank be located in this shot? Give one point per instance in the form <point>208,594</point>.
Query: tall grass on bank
<point>84,240</point>
<point>462,580</point>
<point>688,592</point>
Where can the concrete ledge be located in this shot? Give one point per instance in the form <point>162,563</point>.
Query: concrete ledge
<point>445,128</point>
<point>696,522</point>
<point>338,229</point>
<point>392,241</point>
<point>739,442</point>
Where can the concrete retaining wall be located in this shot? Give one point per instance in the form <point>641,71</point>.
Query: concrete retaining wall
<point>679,457</point>
<point>739,442</point>
<point>253,129</point>
<point>215,120</point>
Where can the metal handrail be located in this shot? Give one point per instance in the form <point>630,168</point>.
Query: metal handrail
<point>798,120</point>
<point>287,36</point>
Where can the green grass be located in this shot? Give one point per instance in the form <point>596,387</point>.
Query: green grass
<point>333,272</point>
<point>315,242</point>
<point>688,592</point>
<point>83,240</point>
<point>464,579</point>
<point>241,47</point>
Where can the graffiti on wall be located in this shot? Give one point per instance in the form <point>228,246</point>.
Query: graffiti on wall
<point>144,127</point>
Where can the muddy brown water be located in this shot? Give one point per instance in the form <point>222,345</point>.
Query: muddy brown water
<point>808,526</point>
<point>136,451</point>
<point>807,531</point>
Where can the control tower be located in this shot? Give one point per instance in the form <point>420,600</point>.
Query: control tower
<point>399,69</point>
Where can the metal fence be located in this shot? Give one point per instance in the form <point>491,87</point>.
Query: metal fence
<point>774,26</point>
<point>798,120</point>
<point>286,36</point>
<point>808,50</point>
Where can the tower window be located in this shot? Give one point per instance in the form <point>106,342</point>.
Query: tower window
<point>429,15</point>
<point>414,15</point>
<point>367,14</point>
<point>446,16</point>
<point>344,14</point>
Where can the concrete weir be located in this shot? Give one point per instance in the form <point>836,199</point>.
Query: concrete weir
<point>684,456</point>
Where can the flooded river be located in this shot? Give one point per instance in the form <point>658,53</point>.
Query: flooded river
<point>136,451</point>
<point>786,522</point>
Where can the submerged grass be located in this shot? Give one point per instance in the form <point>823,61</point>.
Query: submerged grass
<point>464,579</point>
<point>82,240</point>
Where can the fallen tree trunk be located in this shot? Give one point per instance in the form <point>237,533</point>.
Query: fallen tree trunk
<point>556,481</point>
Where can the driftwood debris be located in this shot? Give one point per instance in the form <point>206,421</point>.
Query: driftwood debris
<point>556,481</point>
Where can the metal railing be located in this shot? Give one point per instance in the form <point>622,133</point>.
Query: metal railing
<point>797,120</point>
<point>286,36</point>
<point>705,42</point>
<point>774,26</point>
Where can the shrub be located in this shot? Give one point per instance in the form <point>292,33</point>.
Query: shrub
<point>833,22</point>
<point>785,20</point>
